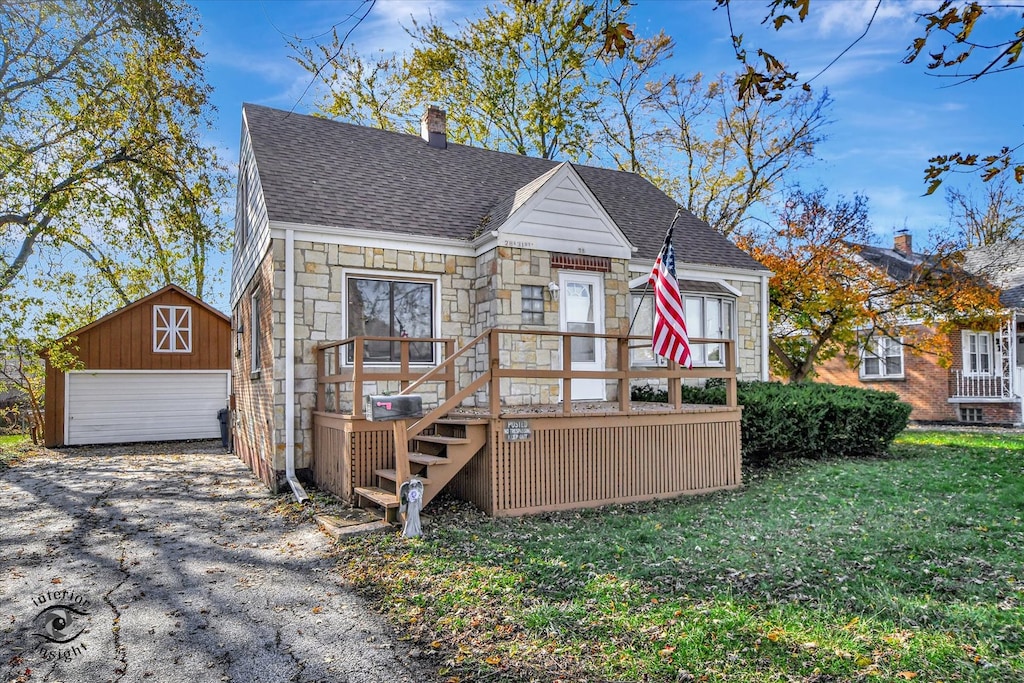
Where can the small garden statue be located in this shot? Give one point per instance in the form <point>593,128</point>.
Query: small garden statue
<point>410,496</point>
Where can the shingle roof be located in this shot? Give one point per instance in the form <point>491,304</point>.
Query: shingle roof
<point>896,265</point>
<point>321,172</point>
<point>1001,264</point>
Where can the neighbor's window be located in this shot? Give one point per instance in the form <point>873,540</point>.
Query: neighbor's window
<point>255,333</point>
<point>881,357</point>
<point>978,353</point>
<point>172,329</point>
<point>705,316</point>
<point>391,308</point>
<point>533,304</point>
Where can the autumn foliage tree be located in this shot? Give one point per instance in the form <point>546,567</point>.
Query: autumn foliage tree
<point>827,297</point>
<point>962,42</point>
<point>103,105</point>
<point>568,80</point>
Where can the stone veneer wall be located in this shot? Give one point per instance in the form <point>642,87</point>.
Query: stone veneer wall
<point>475,294</point>
<point>748,328</point>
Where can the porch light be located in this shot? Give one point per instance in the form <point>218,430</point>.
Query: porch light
<point>553,288</point>
<point>239,332</point>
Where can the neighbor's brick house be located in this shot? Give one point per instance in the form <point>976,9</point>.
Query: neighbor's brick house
<point>984,381</point>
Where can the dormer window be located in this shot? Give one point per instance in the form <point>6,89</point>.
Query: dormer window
<point>172,329</point>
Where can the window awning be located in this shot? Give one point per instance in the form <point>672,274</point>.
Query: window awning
<point>704,287</point>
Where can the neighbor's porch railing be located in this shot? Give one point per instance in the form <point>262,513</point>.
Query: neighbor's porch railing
<point>980,386</point>
<point>334,369</point>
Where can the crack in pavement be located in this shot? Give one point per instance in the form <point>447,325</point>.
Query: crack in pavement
<point>120,651</point>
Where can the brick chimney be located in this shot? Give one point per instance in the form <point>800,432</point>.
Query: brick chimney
<point>434,127</point>
<point>903,242</point>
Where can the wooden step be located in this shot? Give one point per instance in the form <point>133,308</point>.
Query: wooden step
<point>385,499</point>
<point>424,459</point>
<point>446,440</point>
<point>391,475</point>
<point>462,421</point>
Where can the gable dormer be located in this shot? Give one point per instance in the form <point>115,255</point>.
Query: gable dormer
<point>556,212</point>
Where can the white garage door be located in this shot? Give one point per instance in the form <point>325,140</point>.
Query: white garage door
<point>119,407</point>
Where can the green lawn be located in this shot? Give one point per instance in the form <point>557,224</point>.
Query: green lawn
<point>12,447</point>
<point>908,567</point>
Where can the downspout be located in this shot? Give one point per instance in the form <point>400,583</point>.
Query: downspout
<point>289,367</point>
<point>764,328</point>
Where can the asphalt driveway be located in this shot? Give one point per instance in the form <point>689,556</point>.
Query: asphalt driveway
<point>166,563</point>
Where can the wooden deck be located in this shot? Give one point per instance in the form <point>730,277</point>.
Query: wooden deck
<point>534,458</point>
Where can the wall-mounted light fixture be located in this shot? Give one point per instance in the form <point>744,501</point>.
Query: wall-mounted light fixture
<point>553,289</point>
<point>239,332</point>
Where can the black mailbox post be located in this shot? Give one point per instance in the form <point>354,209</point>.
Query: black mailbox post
<point>390,408</point>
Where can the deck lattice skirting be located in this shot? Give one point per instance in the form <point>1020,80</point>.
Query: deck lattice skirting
<point>571,457</point>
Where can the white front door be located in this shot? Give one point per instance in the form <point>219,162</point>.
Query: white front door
<point>581,309</point>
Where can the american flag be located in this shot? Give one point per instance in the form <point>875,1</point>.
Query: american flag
<point>669,339</point>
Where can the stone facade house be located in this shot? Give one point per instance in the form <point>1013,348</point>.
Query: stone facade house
<point>345,231</point>
<point>984,382</point>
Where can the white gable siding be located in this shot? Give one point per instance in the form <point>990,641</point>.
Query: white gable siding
<point>563,216</point>
<point>247,255</point>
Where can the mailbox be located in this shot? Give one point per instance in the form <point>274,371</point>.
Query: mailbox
<point>386,408</point>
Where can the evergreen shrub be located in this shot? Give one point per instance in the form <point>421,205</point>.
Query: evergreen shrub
<point>808,420</point>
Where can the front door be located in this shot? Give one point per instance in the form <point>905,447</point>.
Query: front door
<point>582,310</point>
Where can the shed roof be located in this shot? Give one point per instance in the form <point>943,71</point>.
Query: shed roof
<point>316,171</point>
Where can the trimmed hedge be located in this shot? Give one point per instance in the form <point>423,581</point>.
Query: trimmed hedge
<point>807,420</point>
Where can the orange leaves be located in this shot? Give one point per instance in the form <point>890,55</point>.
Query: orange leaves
<point>615,38</point>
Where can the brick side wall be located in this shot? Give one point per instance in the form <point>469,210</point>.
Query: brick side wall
<point>253,425</point>
<point>924,385</point>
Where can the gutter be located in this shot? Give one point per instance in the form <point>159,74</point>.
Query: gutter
<point>765,374</point>
<point>289,367</point>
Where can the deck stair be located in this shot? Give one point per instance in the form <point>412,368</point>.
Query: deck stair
<point>436,455</point>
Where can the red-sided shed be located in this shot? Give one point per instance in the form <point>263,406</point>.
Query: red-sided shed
<point>156,370</point>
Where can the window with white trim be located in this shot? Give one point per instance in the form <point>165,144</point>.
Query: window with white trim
<point>978,353</point>
<point>881,358</point>
<point>255,332</point>
<point>710,317</point>
<point>391,308</point>
<point>172,329</point>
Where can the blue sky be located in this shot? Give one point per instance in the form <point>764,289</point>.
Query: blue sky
<point>888,118</point>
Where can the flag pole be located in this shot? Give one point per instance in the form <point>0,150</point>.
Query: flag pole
<point>647,284</point>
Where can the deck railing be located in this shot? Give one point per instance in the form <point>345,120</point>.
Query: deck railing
<point>980,386</point>
<point>342,362</point>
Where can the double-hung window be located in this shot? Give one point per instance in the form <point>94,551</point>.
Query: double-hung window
<point>391,308</point>
<point>706,316</point>
<point>881,358</point>
<point>979,353</point>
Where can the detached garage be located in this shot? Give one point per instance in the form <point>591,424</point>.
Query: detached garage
<point>155,370</point>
